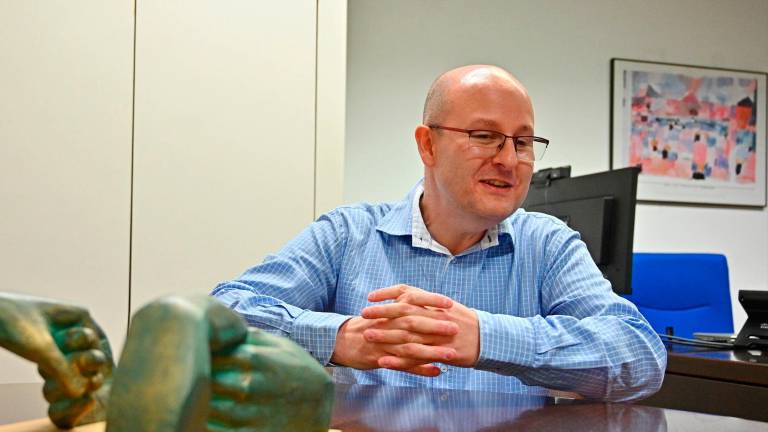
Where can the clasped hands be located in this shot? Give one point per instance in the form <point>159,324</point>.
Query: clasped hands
<point>418,329</point>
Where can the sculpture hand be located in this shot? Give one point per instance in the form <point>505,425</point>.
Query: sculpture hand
<point>71,352</point>
<point>270,383</point>
<point>190,363</point>
<point>163,379</point>
<point>86,346</point>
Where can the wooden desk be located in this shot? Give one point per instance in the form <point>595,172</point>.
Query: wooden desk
<point>399,409</point>
<point>732,383</point>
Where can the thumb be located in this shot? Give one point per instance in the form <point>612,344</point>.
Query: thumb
<point>56,367</point>
<point>63,314</point>
<point>226,328</point>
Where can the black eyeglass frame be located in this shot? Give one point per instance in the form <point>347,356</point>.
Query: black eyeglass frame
<point>506,137</point>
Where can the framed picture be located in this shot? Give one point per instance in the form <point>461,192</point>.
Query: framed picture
<point>697,133</point>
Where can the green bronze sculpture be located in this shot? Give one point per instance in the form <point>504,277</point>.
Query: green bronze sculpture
<point>189,364</point>
<point>270,384</point>
<point>72,354</point>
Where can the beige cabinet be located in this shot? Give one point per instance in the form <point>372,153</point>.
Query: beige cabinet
<point>65,158</point>
<point>152,147</point>
<point>224,139</point>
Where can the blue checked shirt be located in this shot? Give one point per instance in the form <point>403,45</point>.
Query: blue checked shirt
<point>547,316</point>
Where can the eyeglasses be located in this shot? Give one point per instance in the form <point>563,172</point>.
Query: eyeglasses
<point>527,147</point>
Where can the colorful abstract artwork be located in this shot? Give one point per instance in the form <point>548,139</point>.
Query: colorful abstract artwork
<point>697,133</point>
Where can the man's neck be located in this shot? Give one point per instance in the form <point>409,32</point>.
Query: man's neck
<point>454,232</point>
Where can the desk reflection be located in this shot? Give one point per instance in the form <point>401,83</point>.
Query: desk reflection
<point>400,409</point>
<point>726,354</point>
<point>752,356</point>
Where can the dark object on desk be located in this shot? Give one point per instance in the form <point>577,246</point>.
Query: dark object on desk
<point>754,334</point>
<point>752,356</point>
<point>727,338</point>
<point>601,207</point>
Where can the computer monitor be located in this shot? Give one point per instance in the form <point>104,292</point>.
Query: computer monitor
<point>601,207</point>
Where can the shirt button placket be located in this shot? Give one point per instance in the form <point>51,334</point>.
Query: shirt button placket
<point>448,290</point>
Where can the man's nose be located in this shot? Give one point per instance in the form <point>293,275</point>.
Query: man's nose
<point>506,154</point>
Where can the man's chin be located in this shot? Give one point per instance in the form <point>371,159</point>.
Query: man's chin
<point>494,215</point>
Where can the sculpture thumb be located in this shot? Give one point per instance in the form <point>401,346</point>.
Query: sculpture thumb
<point>162,382</point>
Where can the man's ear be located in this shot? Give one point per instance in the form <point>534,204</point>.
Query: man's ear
<point>425,145</point>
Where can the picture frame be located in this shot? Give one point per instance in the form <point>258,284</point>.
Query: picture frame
<point>698,133</point>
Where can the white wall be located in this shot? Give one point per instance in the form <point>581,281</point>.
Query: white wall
<point>65,158</point>
<point>224,139</point>
<point>561,50</point>
<point>330,108</point>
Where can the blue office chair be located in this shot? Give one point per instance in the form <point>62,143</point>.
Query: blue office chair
<point>685,292</point>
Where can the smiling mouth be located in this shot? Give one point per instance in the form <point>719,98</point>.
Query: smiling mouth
<point>497,184</point>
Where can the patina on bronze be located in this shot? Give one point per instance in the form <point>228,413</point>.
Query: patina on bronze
<point>189,364</point>
<point>71,352</point>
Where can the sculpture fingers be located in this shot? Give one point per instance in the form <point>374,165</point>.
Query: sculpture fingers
<point>52,391</point>
<point>57,367</point>
<point>66,345</point>
<point>93,364</point>
<point>230,413</point>
<point>213,426</point>
<point>76,339</point>
<point>74,329</point>
<point>62,315</point>
<point>67,413</point>
<point>287,363</point>
<point>226,329</point>
<point>81,336</point>
<point>245,357</point>
<point>103,343</point>
<point>274,374</point>
<point>25,331</point>
<point>90,365</point>
<point>240,386</point>
<point>284,414</point>
<point>88,362</point>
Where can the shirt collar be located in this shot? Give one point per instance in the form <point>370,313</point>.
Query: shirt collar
<point>397,220</point>
<point>405,218</point>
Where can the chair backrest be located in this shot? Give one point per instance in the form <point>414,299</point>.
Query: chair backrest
<point>687,292</point>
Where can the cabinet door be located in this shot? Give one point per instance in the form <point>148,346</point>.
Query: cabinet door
<point>66,75</point>
<point>224,139</point>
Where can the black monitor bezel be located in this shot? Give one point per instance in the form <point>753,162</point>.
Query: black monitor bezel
<point>619,184</point>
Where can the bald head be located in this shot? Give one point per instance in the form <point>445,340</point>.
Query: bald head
<point>440,94</point>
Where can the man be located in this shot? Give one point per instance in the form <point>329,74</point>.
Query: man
<point>483,294</point>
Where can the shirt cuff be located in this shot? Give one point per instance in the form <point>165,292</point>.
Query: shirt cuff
<point>316,332</point>
<point>506,342</point>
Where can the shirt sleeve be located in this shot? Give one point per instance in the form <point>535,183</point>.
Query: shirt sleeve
<point>587,339</point>
<point>290,291</point>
